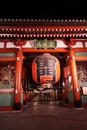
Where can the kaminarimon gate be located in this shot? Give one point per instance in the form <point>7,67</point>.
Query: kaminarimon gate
<point>42,54</point>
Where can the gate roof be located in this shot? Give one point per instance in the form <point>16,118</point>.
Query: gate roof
<point>34,28</point>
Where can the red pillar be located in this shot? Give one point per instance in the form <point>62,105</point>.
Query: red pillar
<point>76,88</point>
<point>65,85</point>
<point>18,81</point>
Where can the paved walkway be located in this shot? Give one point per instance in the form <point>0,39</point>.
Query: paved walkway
<point>44,116</point>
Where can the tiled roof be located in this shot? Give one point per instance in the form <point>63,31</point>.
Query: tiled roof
<point>43,22</point>
<point>33,28</point>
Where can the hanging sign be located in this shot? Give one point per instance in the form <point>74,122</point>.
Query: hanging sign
<point>45,44</point>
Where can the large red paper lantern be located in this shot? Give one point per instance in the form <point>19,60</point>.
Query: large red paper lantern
<point>46,69</point>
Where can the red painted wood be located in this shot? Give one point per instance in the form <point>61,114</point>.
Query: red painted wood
<point>6,108</point>
<point>76,88</point>
<point>18,79</point>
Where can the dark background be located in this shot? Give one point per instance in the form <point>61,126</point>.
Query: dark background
<point>47,9</point>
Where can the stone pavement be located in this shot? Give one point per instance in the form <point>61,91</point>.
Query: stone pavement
<point>44,116</point>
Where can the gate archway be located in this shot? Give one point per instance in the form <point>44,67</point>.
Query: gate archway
<point>22,40</point>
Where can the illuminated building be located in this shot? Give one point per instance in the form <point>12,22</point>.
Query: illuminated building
<point>22,40</point>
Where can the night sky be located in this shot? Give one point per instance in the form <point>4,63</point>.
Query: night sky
<point>47,9</point>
